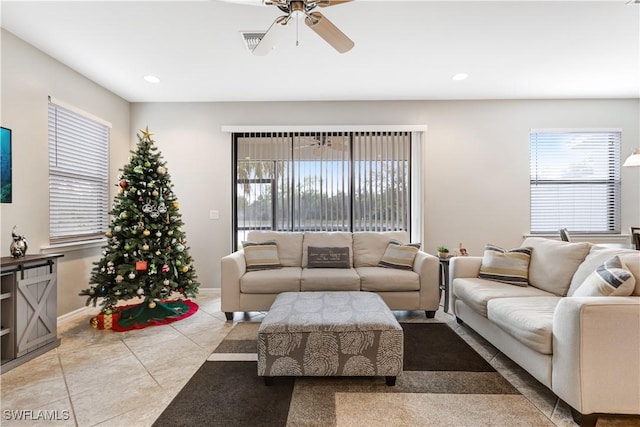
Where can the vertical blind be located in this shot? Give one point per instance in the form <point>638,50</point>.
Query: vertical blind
<point>575,181</point>
<point>322,181</point>
<point>78,175</point>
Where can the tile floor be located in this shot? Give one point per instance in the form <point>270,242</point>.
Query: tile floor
<point>106,378</point>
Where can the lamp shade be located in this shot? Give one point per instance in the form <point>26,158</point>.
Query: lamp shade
<point>633,159</point>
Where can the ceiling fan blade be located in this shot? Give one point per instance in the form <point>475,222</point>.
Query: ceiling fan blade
<point>271,37</point>
<point>327,3</point>
<point>329,32</point>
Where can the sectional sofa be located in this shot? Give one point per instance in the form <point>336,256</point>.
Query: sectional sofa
<point>586,348</point>
<point>415,288</point>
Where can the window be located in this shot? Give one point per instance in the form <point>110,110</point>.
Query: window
<point>78,175</point>
<point>322,181</point>
<point>575,181</point>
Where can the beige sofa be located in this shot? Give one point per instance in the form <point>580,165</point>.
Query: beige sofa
<point>416,289</point>
<point>585,349</point>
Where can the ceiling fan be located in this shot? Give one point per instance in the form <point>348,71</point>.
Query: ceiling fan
<point>314,20</point>
<point>323,142</point>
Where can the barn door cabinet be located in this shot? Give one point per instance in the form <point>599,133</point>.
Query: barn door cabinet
<point>28,308</point>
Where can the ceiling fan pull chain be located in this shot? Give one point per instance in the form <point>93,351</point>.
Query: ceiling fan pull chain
<point>297,27</point>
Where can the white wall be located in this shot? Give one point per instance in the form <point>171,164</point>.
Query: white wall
<point>28,78</point>
<point>476,157</point>
<point>476,160</point>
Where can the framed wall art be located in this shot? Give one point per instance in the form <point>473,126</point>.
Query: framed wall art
<point>5,165</point>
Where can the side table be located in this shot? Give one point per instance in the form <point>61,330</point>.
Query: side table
<point>444,281</point>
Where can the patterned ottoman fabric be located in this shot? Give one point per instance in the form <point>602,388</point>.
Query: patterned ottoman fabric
<point>330,334</point>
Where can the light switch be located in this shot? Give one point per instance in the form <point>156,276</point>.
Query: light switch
<point>214,214</point>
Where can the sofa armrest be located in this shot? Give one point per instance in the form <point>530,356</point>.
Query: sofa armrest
<point>427,267</point>
<point>233,267</point>
<point>464,266</point>
<point>596,349</point>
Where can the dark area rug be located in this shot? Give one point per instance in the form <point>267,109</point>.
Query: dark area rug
<point>436,347</point>
<point>229,394</point>
<point>437,362</point>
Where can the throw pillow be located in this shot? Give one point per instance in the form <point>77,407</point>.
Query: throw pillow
<point>399,256</point>
<point>261,256</point>
<point>610,278</point>
<point>327,257</point>
<point>504,266</point>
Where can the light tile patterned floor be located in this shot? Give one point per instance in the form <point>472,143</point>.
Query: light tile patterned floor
<point>106,378</point>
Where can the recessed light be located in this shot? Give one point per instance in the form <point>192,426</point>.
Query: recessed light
<point>152,79</point>
<point>460,76</point>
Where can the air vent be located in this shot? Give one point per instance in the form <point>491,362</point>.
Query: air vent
<point>251,39</point>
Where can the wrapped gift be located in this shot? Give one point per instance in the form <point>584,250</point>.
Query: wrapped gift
<point>104,321</point>
<point>141,265</point>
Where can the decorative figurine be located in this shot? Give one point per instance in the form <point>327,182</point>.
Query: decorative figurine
<point>463,251</point>
<point>19,245</point>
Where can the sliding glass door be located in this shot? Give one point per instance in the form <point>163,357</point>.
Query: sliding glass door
<point>321,181</point>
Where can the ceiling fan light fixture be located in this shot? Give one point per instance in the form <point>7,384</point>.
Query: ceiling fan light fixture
<point>151,78</point>
<point>460,76</point>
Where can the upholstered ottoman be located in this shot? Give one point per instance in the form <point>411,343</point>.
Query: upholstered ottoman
<point>330,334</point>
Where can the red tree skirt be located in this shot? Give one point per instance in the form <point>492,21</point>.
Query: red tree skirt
<point>139,316</point>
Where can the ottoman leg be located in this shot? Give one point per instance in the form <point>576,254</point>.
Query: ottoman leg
<point>430,314</point>
<point>228,315</point>
<point>391,381</point>
<point>268,381</point>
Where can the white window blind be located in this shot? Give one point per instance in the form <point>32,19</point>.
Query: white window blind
<point>575,181</point>
<point>78,175</point>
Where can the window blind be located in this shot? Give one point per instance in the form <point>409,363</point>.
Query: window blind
<point>575,181</point>
<point>322,181</point>
<point>78,175</point>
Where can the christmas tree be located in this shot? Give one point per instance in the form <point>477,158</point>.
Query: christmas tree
<point>146,255</point>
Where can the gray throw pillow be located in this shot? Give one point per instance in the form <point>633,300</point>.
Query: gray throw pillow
<point>321,257</point>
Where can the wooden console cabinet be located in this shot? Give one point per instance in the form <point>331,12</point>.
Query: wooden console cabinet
<point>28,308</point>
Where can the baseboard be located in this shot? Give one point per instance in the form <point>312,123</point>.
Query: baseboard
<point>72,315</point>
<point>208,291</point>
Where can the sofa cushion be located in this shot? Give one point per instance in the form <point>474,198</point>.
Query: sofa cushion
<point>326,239</point>
<point>329,279</point>
<point>261,256</point>
<point>369,246</point>
<point>510,267</point>
<point>597,256</point>
<point>376,279</point>
<point>477,292</point>
<point>528,320</point>
<point>286,279</point>
<point>610,279</point>
<point>329,257</point>
<point>553,263</point>
<point>399,256</point>
<point>289,245</point>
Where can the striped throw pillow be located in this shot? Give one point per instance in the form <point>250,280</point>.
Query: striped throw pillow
<point>504,266</point>
<point>399,256</point>
<point>261,256</point>
<point>611,278</point>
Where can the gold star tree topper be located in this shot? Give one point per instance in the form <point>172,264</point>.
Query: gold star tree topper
<point>146,134</point>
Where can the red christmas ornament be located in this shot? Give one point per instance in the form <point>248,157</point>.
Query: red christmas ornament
<point>165,268</point>
<point>141,265</point>
<point>123,183</point>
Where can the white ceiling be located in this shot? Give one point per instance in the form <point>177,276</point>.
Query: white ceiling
<point>403,49</point>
